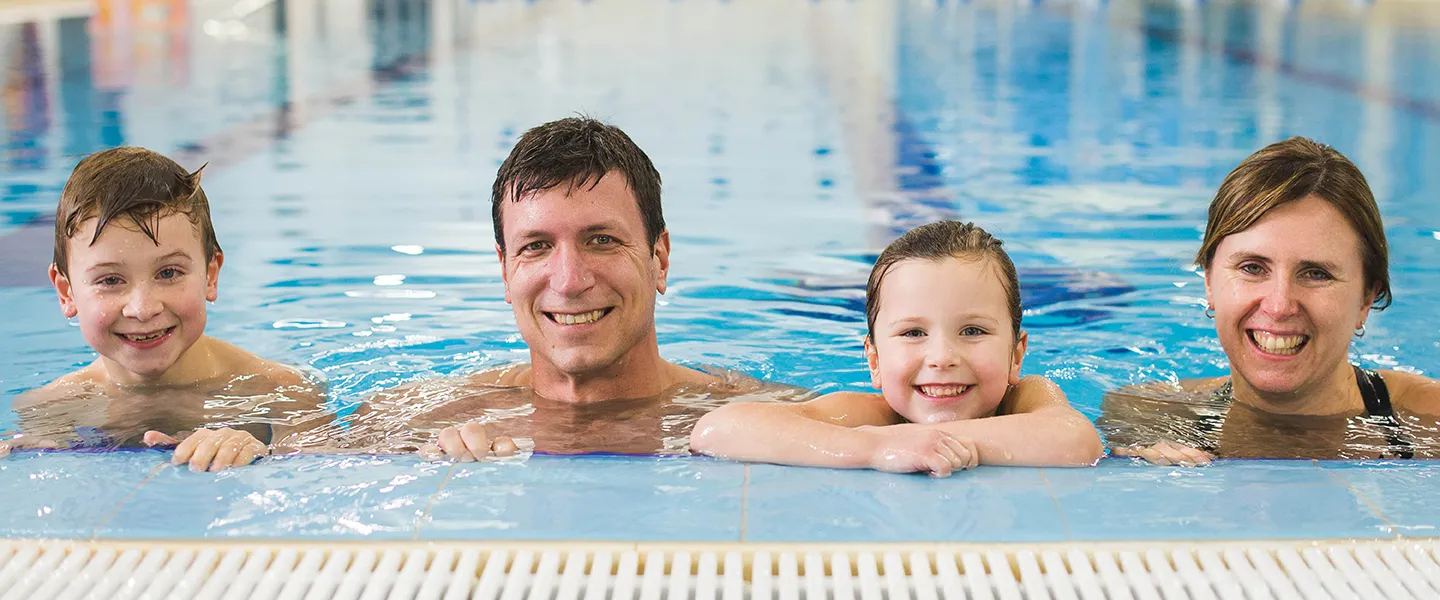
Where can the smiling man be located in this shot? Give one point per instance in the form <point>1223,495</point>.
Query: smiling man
<point>584,252</point>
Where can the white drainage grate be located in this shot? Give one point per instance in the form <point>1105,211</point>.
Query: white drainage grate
<point>299,571</point>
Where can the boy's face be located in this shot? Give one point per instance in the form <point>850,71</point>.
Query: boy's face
<point>943,348</point>
<point>141,305</point>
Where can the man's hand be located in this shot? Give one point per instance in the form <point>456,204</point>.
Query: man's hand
<point>914,448</point>
<point>1166,453</point>
<point>211,449</point>
<point>21,442</point>
<point>467,443</point>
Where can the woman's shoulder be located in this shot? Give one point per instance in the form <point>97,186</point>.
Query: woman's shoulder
<point>1413,392</point>
<point>1198,388</point>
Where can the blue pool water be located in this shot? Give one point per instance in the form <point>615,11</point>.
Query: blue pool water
<point>352,145</point>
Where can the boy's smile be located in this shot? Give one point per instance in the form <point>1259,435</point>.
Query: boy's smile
<point>140,303</point>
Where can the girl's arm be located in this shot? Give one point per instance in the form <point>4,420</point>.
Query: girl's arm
<point>830,431</point>
<point>1037,427</point>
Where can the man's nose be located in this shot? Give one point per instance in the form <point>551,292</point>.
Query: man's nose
<point>570,272</point>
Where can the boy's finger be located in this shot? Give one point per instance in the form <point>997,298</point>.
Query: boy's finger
<point>473,434</point>
<point>155,438</point>
<point>205,452</point>
<point>453,446</point>
<point>1197,456</point>
<point>504,446</point>
<point>225,457</point>
<point>186,449</point>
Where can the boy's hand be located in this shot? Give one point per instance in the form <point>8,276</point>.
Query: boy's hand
<point>1166,453</point>
<point>212,449</point>
<point>915,448</point>
<point>467,443</point>
<point>20,442</point>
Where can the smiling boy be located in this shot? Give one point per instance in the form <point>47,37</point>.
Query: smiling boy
<point>136,259</point>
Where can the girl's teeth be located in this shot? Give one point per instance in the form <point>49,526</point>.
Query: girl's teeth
<point>580,319</point>
<point>1278,344</point>
<point>943,391</point>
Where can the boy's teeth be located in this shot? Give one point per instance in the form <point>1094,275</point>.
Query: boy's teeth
<point>580,319</point>
<point>943,391</point>
<point>145,338</point>
<point>1278,344</point>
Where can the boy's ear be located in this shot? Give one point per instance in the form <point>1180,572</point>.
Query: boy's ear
<point>212,276</point>
<point>64,291</point>
<point>872,358</point>
<point>1018,357</point>
<point>504,275</point>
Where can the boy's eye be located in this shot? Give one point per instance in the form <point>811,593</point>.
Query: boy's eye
<point>168,273</point>
<point>109,280</point>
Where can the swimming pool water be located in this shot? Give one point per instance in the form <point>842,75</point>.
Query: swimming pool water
<point>352,144</point>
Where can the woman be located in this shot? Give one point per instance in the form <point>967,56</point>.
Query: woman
<point>1295,258</point>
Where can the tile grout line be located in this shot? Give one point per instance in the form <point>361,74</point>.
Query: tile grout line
<point>95,532</point>
<point>744,501</point>
<point>1375,508</point>
<point>433,497</point>
<point>1064,521</point>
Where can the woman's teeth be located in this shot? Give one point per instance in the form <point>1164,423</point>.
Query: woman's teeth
<point>1278,344</point>
<point>580,319</point>
<point>943,391</point>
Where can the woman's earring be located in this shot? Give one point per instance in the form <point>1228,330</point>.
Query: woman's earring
<point>1361,331</point>
<point>1209,311</point>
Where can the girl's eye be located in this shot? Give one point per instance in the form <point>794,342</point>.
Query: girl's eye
<point>972,330</point>
<point>912,333</point>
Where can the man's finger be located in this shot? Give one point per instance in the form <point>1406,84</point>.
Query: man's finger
<point>1196,455</point>
<point>504,446</point>
<point>473,434</point>
<point>453,446</point>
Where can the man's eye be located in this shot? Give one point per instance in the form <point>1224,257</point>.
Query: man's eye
<point>534,247</point>
<point>603,240</point>
<point>1317,275</point>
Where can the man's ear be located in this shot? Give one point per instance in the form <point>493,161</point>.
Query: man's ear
<point>504,275</point>
<point>872,359</point>
<point>662,260</point>
<point>212,276</point>
<point>1018,357</point>
<point>64,291</point>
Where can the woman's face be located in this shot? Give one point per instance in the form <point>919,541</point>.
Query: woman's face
<point>1288,294</point>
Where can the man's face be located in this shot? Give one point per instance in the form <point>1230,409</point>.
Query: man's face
<point>581,276</point>
<point>141,304</point>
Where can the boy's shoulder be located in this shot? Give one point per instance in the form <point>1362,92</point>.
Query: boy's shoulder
<point>61,388</point>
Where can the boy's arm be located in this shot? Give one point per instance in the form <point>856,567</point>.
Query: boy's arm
<point>1038,428</point>
<point>830,431</point>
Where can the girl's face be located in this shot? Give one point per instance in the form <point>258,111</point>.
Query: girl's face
<point>943,347</point>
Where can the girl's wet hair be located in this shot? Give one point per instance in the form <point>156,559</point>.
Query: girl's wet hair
<point>938,241</point>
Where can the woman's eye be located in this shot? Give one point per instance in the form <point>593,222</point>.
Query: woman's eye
<point>1252,269</point>
<point>1317,275</point>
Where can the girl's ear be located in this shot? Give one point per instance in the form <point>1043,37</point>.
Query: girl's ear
<point>872,358</point>
<point>1018,357</point>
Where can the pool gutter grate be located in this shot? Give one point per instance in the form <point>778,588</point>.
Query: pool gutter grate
<point>532,571</point>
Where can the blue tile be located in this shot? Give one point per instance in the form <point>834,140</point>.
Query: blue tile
<point>901,509</point>
<point>597,470</point>
<point>640,511</point>
<point>337,496</point>
<point>67,495</point>
<point>812,476</point>
<point>1189,510</point>
<point>1138,473</point>
<point>1406,495</point>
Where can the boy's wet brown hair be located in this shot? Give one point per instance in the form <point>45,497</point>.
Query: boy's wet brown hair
<point>134,183</point>
<point>941,240</point>
<point>1292,170</point>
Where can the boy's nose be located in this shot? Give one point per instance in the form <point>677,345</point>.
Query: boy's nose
<point>141,305</point>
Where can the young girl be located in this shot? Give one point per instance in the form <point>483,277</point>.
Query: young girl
<point>944,348</point>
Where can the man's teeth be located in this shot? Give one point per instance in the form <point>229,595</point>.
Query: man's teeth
<point>1278,344</point>
<point>943,391</point>
<point>580,319</point>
